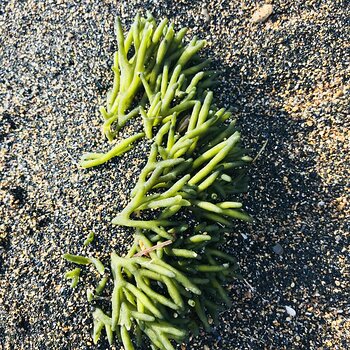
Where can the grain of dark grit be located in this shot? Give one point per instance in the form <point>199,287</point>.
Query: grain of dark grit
<point>288,80</point>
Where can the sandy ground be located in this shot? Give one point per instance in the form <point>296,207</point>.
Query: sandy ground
<point>288,80</point>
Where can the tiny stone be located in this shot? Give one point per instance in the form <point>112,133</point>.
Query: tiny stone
<point>244,236</point>
<point>205,14</point>
<point>290,311</point>
<point>278,249</point>
<point>262,13</point>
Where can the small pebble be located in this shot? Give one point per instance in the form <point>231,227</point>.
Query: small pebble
<point>262,13</point>
<point>290,311</point>
<point>205,14</point>
<point>278,249</point>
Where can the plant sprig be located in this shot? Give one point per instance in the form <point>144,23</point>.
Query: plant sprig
<point>171,282</point>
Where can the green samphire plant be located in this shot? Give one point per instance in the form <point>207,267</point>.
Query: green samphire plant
<point>171,282</point>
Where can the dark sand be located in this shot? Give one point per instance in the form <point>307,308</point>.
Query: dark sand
<point>288,79</point>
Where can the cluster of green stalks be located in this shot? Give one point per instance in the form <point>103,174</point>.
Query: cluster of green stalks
<point>172,280</point>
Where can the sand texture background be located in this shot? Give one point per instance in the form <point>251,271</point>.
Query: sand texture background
<point>288,82</point>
